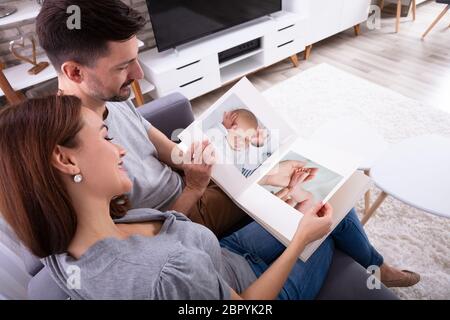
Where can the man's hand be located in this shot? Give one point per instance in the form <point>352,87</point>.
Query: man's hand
<point>280,176</point>
<point>291,194</point>
<point>229,119</point>
<point>197,166</point>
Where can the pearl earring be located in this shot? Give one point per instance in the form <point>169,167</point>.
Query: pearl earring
<point>77,178</point>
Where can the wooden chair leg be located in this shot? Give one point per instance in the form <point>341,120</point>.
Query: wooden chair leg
<point>366,202</point>
<point>374,208</point>
<point>436,21</point>
<point>399,11</point>
<point>11,96</point>
<point>308,52</point>
<point>367,195</point>
<point>414,8</point>
<point>294,60</point>
<point>357,29</point>
<point>137,93</point>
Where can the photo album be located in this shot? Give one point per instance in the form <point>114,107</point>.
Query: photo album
<point>268,170</point>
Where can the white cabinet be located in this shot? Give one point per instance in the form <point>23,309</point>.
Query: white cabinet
<point>328,17</point>
<point>286,39</point>
<point>354,12</point>
<point>189,75</point>
<point>324,19</point>
<point>194,69</point>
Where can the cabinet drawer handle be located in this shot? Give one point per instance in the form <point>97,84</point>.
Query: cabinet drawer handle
<point>284,44</point>
<point>290,26</point>
<point>187,65</point>
<point>186,84</point>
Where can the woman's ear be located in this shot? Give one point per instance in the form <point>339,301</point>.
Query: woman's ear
<point>72,71</point>
<point>64,161</point>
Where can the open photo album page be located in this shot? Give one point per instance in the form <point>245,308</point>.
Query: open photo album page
<point>245,133</point>
<point>266,168</point>
<point>293,183</point>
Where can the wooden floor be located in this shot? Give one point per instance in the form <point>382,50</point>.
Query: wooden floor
<point>402,62</point>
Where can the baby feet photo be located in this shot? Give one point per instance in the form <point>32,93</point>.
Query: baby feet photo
<point>300,182</point>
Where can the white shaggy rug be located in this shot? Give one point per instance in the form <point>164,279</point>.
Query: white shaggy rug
<point>407,238</point>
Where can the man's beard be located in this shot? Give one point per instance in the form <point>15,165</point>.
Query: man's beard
<point>97,91</point>
<point>120,98</point>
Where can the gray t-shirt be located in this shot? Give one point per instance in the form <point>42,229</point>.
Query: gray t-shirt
<point>155,185</point>
<point>183,261</point>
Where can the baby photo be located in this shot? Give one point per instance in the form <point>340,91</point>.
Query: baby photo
<point>238,136</point>
<point>300,182</point>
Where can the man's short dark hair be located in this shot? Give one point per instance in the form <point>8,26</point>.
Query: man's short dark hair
<point>101,22</point>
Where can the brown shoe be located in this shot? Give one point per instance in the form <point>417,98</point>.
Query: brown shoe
<point>409,279</point>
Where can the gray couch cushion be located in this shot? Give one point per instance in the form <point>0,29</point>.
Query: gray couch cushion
<point>32,264</point>
<point>8,237</point>
<point>13,275</point>
<point>43,287</point>
<point>169,114</point>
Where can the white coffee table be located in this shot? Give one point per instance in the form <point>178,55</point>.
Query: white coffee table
<point>417,172</point>
<point>356,137</point>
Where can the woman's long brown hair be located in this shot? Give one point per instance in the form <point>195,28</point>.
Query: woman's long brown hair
<point>33,198</point>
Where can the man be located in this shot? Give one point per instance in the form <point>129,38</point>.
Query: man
<point>98,63</point>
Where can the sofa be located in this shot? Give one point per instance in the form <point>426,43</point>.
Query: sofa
<point>23,276</point>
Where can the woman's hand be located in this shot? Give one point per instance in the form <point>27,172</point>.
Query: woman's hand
<point>315,223</point>
<point>283,194</point>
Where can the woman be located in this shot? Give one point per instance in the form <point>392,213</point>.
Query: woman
<point>59,172</point>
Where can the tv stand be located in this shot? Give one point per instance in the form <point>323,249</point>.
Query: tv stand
<point>239,50</point>
<point>204,65</point>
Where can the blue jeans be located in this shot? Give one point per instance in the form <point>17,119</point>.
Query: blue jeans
<point>260,249</point>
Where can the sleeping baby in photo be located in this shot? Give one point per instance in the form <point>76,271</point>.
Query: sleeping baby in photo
<point>241,140</point>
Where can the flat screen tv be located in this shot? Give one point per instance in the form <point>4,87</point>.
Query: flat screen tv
<point>176,22</point>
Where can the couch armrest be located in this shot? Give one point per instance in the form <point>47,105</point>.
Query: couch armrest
<point>168,114</point>
<point>347,280</point>
<point>43,287</point>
